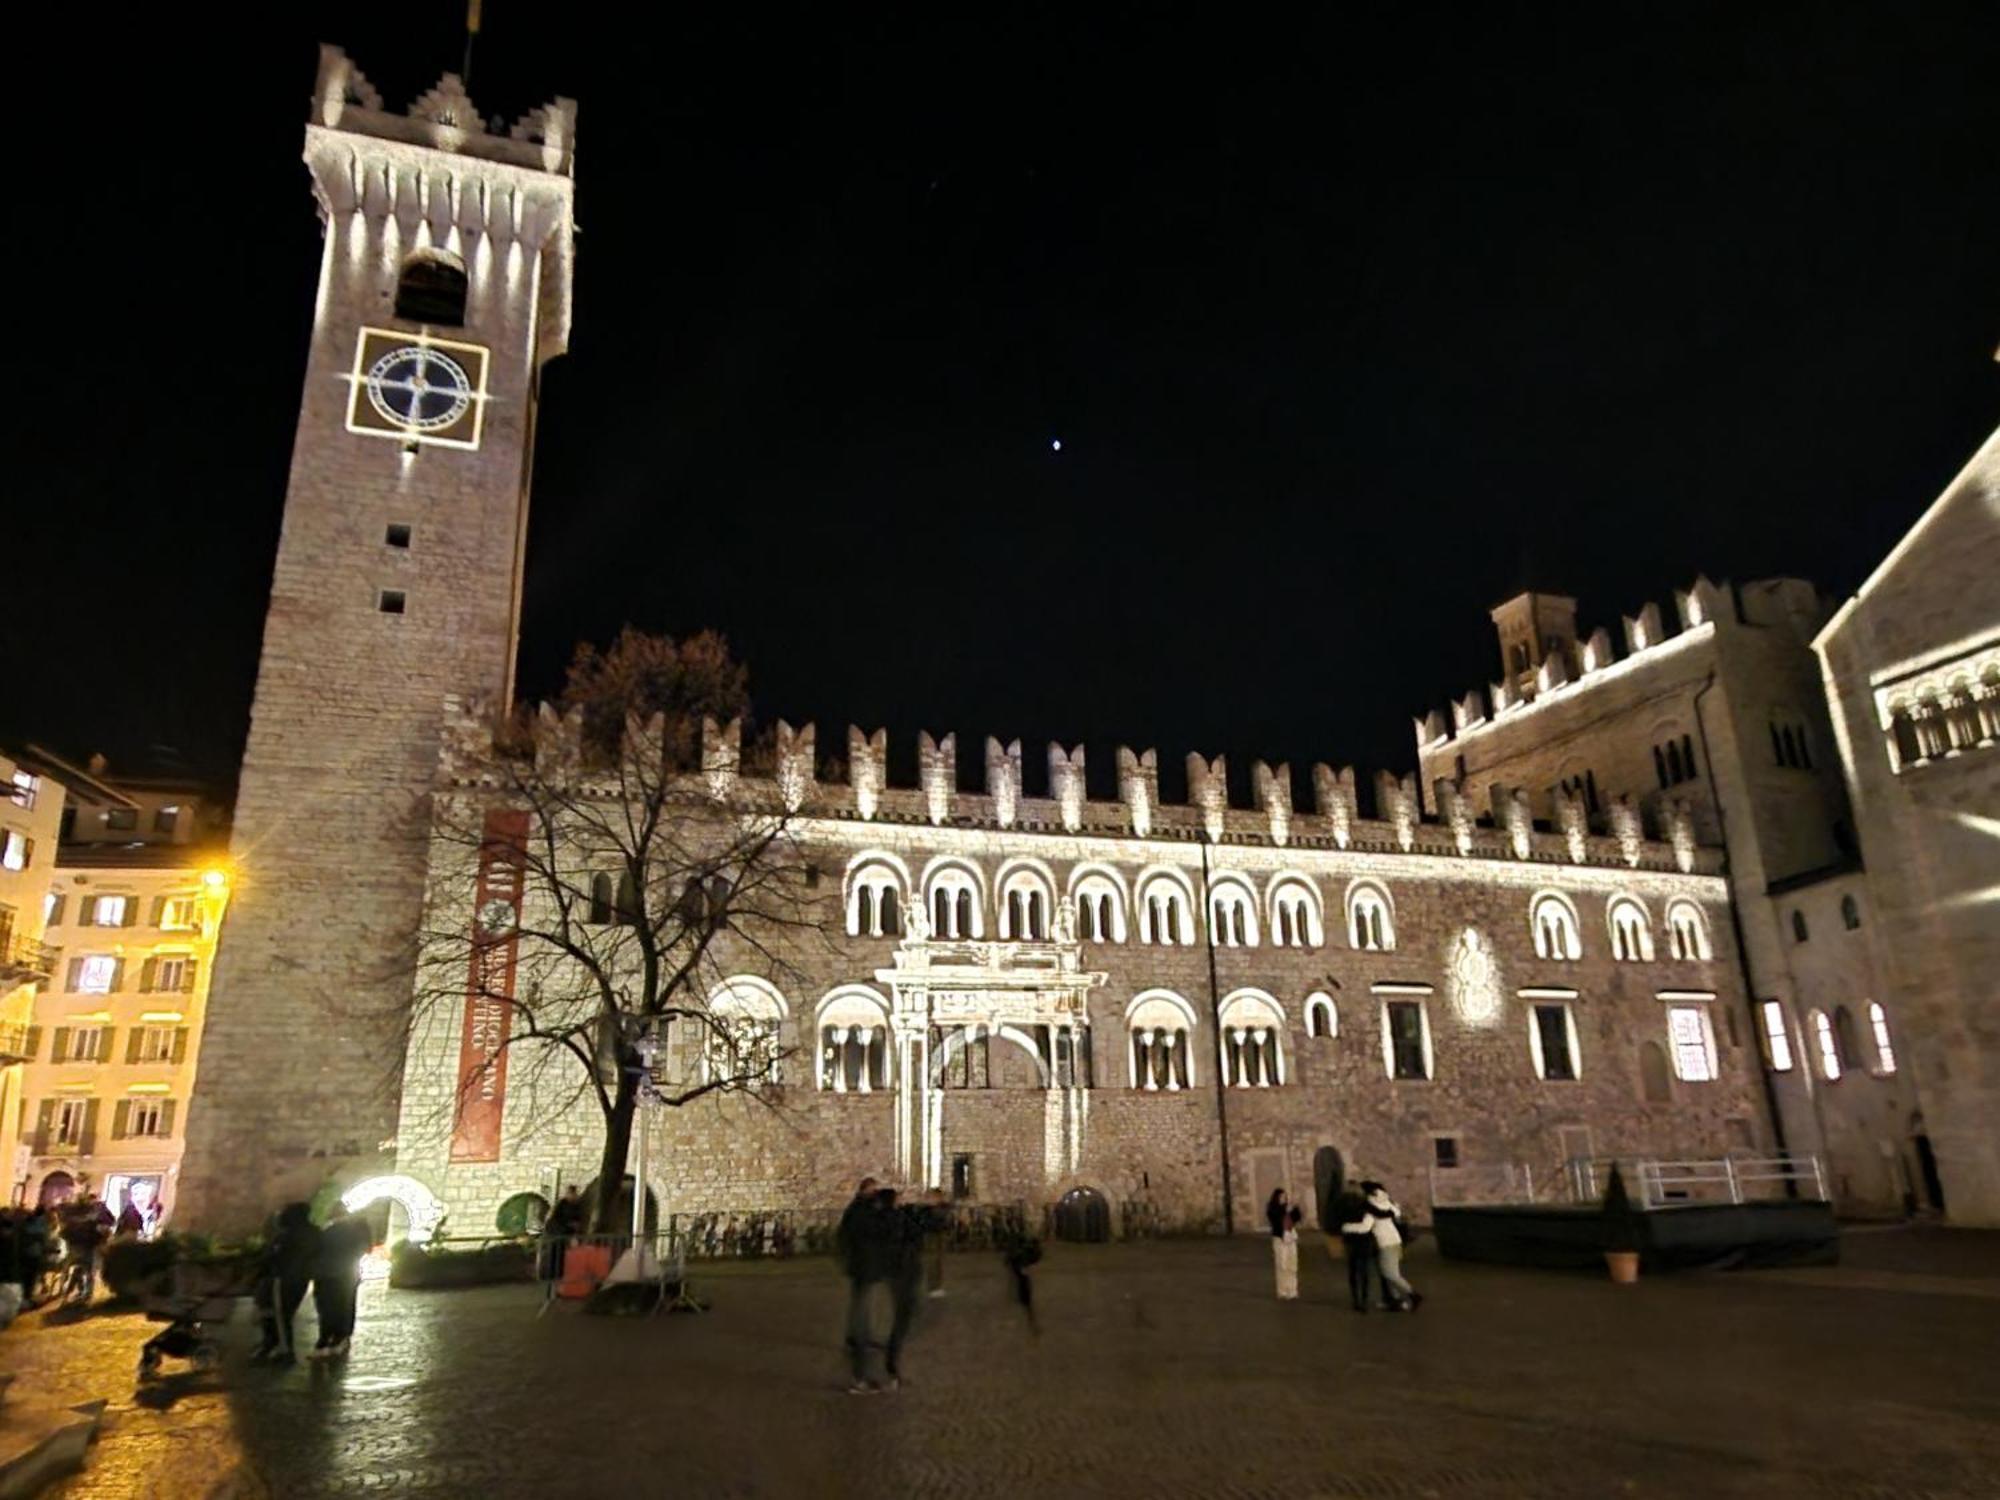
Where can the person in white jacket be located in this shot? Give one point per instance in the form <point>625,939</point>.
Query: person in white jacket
<point>1379,1221</point>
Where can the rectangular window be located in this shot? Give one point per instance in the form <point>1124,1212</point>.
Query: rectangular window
<point>1554,1044</point>
<point>86,1044</point>
<point>1777,1040</point>
<point>16,849</point>
<point>1444,1151</point>
<point>108,911</point>
<point>70,1115</point>
<point>1693,1043</point>
<point>1885,1052</point>
<point>171,972</point>
<point>52,910</point>
<point>97,974</point>
<point>181,914</point>
<point>156,1044</point>
<point>27,787</point>
<point>1406,1036</point>
<point>397,536</point>
<point>146,1117</point>
<point>122,819</point>
<point>390,601</point>
<point>165,819</point>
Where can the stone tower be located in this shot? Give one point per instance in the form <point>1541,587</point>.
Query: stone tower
<point>444,286</point>
<point>1533,627</point>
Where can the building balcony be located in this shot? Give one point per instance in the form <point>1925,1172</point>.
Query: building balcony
<point>14,1045</point>
<point>24,961</point>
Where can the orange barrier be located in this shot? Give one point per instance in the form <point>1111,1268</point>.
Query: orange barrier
<point>584,1266</point>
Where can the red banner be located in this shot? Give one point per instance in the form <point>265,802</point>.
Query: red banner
<point>489,991</point>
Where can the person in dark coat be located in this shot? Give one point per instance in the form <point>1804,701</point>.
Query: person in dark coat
<point>862,1240</point>
<point>909,1228</point>
<point>564,1223</point>
<point>1362,1264</point>
<point>336,1275</point>
<point>288,1268</point>
<point>1020,1251</point>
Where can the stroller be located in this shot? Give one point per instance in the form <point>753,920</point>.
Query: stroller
<point>193,1301</point>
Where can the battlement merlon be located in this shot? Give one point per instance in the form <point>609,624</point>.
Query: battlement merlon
<point>790,782</point>
<point>443,118</point>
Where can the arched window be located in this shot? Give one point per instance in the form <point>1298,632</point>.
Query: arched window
<point>1799,933</point>
<point>431,290</point>
<point>740,1043</point>
<point>1322,1018</point>
<point>601,889</point>
<point>874,893</point>
<point>1553,921</point>
<point>1631,930</point>
<point>955,905</point>
<point>1885,1053</point>
<point>1026,900</point>
<point>1687,931</point>
<point>1161,1026</point>
<point>1232,914</point>
<point>1655,1082</point>
<point>1295,919</point>
<point>854,1051</point>
<point>1166,910</point>
<point>1100,908</point>
<point>1252,1051</point>
<point>1827,1045</point>
<point>1850,913</point>
<point>1371,920</point>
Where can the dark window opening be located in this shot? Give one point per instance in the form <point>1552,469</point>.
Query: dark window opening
<point>1850,913</point>
<point>432,290</point>
<point>391,602</point>
<point>1799,933</point>
<point>1406,1038</point>
<point>1444,1150</point>
<point>1552,1027</point>
<point>122,819</point>
<point>397,536</point>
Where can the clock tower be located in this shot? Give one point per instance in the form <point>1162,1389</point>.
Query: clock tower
<point>444,286</point>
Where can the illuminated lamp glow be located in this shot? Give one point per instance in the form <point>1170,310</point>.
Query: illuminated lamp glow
<point>421,1207</point>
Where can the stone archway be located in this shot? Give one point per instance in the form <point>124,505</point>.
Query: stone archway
<point>422,1209</point>
<point>1082,1216</point>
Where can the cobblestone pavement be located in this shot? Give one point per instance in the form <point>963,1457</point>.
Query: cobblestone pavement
<point>1163,1369</point>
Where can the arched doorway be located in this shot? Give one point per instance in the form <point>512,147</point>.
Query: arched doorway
<point>1083,1217</point>
<point>1329,1182</point>
<point>422,1209</point>
<point>57,1188</point>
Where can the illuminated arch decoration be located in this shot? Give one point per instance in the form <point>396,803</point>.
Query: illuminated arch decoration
<point>421,1207</point>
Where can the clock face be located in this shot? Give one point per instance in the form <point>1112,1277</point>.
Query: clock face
<point>496,917</point>
<point>413,388</point>
<point>417,387</point>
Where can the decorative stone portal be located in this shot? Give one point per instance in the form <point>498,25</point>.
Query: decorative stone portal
<point>971,1017</point>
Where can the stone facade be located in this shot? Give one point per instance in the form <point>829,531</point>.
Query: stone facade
<point>397,582</point>
<point>1057,1009</point>
<point>1721,714</point>
<point>1912,669</point>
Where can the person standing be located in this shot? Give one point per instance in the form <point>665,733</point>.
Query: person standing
<point>1378,1220</point>
<point>288,1267</point>
<point>337,1279</point>
<point>1284,1221</point>
<point>909,1229</point>
<point>861,1240</point>
<point>1363,1269</point>
<point>564,1223</point>
<point>1021,1250</point>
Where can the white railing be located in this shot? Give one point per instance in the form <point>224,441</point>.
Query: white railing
<point>1581,1181</point>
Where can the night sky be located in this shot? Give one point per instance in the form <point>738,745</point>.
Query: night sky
<point>1346,334</point>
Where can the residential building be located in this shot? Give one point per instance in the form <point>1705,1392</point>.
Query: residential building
<point>31,811</point>
<point>131,910</point>
<point>1912,671</point>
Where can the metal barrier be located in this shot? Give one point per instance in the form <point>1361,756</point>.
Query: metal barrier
<point>1653,1184</point>
<point>1729,1179</point>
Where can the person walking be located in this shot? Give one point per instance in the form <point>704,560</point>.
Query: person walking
<point>862,1240</point>
<point>1378,1220</point>
<point>1020,1250</point>
<point>910,1228</point>
<point>1363,1268</point>
<point>336,1275</point>
<point>1284,1221</point>
<point>86,1225</point>
<point>288,1266</point>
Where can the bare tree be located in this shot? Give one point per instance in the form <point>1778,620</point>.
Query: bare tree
<point>592,886</point>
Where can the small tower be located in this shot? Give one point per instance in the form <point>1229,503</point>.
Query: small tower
<point>1533,627</point>
<point>444,286</point>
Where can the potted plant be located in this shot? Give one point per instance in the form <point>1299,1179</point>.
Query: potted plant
<point>1621,1231</point>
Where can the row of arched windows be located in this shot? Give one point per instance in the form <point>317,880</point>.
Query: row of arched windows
<point>1964,714</point>
<point>1559,935</point>
<point>1839,1050</point>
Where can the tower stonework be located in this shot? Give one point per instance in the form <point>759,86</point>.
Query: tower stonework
<point>444,287</point>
